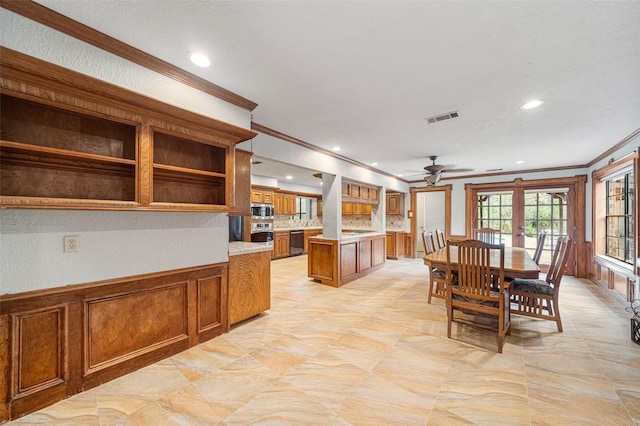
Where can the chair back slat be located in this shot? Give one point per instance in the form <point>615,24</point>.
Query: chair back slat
<point>536,255</point>
<point>558,261</point>
<point>488,235</point>
<point>427,239</point>
<point>474,268</point>
<point>440,239</point>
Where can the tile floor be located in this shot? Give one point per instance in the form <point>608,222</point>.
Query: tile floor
<point>375,353</point>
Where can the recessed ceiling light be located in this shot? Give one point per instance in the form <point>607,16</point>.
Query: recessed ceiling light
<point>374,164</point>
<point>289,177</point>
<point>199,59</point>
<point>532,104</point>
<point>336,148</point>
<point>520,162</point>
<point>400,175</point>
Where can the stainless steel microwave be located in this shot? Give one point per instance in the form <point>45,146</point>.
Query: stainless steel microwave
<point>262,211</point>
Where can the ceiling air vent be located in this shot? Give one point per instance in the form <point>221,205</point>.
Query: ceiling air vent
<point>442,117</point>
<point>256,162</point>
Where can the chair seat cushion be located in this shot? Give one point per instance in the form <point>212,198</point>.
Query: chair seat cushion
<point>531,286</point>
<point>478,301</point>
<point>439,273</point>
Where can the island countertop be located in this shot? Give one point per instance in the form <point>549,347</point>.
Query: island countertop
<point>242,247</point>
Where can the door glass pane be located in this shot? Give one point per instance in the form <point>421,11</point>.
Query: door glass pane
<point>544,211</point>
<point>495,211</point>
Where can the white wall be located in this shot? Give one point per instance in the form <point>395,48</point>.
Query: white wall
<point>112,244</point>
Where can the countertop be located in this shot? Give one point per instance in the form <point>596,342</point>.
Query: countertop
<point>241,247</point>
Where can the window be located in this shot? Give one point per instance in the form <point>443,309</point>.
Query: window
<point>302,207</point>
<point>495,211</point>
<point>620,221</point>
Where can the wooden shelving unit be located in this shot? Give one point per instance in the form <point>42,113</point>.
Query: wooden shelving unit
<point>80,143</point>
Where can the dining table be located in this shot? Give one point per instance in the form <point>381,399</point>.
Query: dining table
<point>517,262</point>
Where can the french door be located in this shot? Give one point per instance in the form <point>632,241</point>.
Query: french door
<point>522,211</point>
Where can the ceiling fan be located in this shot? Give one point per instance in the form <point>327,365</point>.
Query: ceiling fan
<point>433,171</point>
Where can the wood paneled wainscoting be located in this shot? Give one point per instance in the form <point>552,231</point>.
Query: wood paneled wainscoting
<point>57,342</point>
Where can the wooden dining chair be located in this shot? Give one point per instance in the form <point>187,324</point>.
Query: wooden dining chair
<point>473,294</point>
<point>539,298</point>
<point>488,235</point>
<point>437,276</point>
<point>540,245</point>
<point>440,239</point>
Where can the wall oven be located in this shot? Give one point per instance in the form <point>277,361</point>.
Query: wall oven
<point>261,223</point>
<point>262,236</point>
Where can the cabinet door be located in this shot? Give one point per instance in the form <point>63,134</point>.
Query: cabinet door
<point>279,204</point>
<point>358,208</point>
<point>373,196</point>
<point>319,207</point>
<point>356,193</point>
<point>367,208</point>
<point>267,197</point>
<point>391,245</point>
<point>243,184</point>
<point>256,196</point>
<point>291,203</point>
<point>394,204</point>
<point>347,209</point>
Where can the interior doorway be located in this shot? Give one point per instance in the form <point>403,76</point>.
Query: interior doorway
<point>432,210</point>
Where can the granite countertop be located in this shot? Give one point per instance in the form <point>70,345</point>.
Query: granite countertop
<point>297,228</point>
<point>241,247</point>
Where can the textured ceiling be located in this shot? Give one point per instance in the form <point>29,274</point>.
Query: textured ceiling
<point>365,75</point>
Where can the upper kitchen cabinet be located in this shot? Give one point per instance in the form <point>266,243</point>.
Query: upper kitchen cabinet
<point>395,203</point>
<point>262,196</point>
<point>69,141</point>
<point>359,192</point>
<point>242,184</point>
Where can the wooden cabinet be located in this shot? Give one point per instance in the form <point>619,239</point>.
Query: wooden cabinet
<point>395,203</point>
<point>347,209</point>
<point>409,246</point>
<point>281,241</point>
<point>358,209</point>
<point>337,262</point>
<point>319,207</point>
<point>242,184</point>
<point>308,233</point>
<point>395,245</point>
<point>249,285</point>
<point>261,196</point>
<point>285,204</point>
<point>70,141</point>
<point>359,192</point>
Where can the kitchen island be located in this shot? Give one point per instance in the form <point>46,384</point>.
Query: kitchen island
<point>336,262</point>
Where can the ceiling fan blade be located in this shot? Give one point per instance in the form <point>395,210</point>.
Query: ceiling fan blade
<point>457,170</point>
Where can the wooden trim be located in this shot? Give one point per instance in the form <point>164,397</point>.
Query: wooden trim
<point>577,190</point>
<point>59,341</point>
<point>45,16</point>
<point>614,148</point>
<point>276,134</point>
<point>27,70</point>
<point>597,188</point>
<point>447,209</point>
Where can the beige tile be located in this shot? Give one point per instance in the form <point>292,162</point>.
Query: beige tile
<point>375,352</point>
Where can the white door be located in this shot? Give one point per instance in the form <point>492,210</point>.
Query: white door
<point>430,215</point>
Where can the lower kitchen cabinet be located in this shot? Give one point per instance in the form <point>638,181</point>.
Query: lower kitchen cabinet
<point>249,285</point>
<point>307,234</point>
<point>281,244</point>
<point>395,245</point>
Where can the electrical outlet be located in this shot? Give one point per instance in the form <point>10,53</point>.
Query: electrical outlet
<point>70,243</point>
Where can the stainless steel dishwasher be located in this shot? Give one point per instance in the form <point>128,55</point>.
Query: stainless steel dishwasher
<point>296,243</point>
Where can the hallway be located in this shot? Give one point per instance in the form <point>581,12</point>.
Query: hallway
<point>374,352</point>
